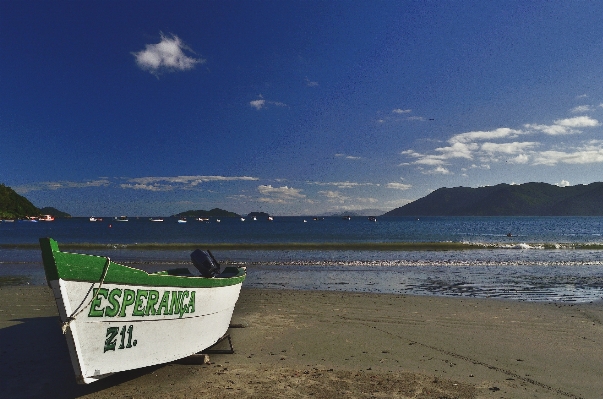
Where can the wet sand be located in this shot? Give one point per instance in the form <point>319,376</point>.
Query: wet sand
<point>331,344</point>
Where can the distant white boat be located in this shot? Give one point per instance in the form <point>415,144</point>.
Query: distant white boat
<point>203,219</point>
<point>121,219</point>
<point>156,220</point>
<point>93,219</point>
<point>181,220</point>
<point>270,218</point>
<point>218,220</point>
<point>46,218</point>
<point>242,219</point>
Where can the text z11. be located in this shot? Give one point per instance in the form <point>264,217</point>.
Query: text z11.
<point>112,337</point>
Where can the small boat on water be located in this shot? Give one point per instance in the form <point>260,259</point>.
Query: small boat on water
<point>93,219</point>
<point>372,218</point>
<point>46,218</point>
<point>181,220</point>
<point>156,220</point>
<point>121,219</point>
<point>119,318</point>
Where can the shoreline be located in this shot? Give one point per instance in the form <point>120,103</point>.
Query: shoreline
<point>328,344</point>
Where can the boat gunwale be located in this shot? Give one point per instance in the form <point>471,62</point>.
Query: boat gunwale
<point>89,268</point>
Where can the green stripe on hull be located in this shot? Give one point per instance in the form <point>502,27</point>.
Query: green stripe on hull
<point>79,267</point>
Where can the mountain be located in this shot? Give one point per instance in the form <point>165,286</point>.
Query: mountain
<point>529,199</point>
<point>358,212</point>
<point>216,212</point>
<point>13,205</point>
<point>54,212</point>
<point>258,215</point>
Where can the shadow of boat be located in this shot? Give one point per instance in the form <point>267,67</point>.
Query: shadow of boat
<point>36,364</point>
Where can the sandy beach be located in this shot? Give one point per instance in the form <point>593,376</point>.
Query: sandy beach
<point>332,344</point>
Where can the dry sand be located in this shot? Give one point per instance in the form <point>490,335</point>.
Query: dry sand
<point>328,345</point>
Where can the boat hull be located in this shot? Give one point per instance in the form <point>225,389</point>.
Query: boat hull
<point>119,322</point>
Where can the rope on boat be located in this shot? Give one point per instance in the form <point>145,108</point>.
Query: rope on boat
<point>71,318</point>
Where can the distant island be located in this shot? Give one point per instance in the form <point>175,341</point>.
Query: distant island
<point>357,213</point>
<point>216,212</point>
<point>529,199</point>
<point>54,212</point>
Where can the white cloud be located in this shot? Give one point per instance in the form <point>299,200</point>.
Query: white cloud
<point>351,157</point>
<point>334,196</point>
<point>458,150</point>
<point>440,170</point>
<point>520,159</point>
<point>563,183</point>
<point>578,157</point>
<point>147,187</point>
<point>578,121</point>
<point>166,183</point>
<point>59,185</point>
<point>258,104</point>
<point>166,56</point>
<point>310,83</point>
<point>565,126</point>
<point>398,186</point>
<point>401,111</point>
<point>282,193</point>
<point>343,184</point>
<point>261,103</point>
<point>508,148</point>
<point>499,133</point>
<point>581,109</point>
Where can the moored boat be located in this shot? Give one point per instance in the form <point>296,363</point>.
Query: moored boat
<point>46,218</point>
<point>119,318</point>
<point>93,219</point>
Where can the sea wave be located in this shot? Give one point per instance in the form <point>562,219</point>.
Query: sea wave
<point>321,246</point>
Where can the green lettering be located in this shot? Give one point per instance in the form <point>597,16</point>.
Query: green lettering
<point>110,340</point>
<point>183,307</point>
<point>96,302</point>
<point>151,302</point>
<point>191,303</point>
<point>176,301</point>
<point>129,296</point>
<point>138,306</point>
<point>114,296</point>
<point>164,303</point>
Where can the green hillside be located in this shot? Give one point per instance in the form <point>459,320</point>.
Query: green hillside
<point>216,212</point>
<point>14,206</point>
<point>529,199</point>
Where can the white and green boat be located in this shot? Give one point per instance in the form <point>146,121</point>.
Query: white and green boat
<point>119,318</point>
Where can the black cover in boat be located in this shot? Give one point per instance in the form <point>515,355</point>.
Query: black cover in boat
<point>205,263</point>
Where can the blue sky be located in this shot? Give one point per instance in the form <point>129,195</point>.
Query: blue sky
<point>293,107</point>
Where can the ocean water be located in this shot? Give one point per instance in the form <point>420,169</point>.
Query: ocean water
<point>515,258</point>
